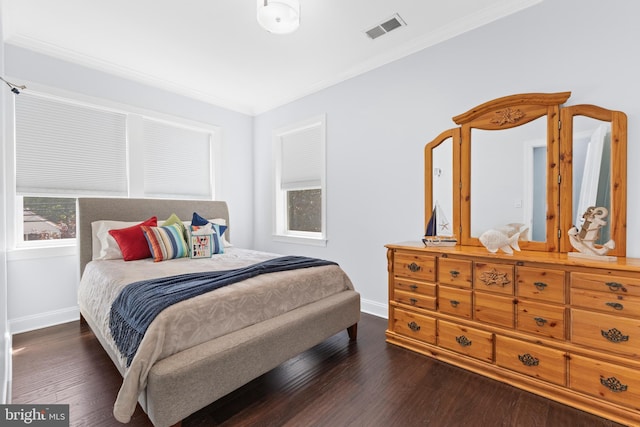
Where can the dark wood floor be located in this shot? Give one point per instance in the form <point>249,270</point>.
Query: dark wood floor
<point>337,383</point>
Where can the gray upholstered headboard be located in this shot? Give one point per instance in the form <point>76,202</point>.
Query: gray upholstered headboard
<point>96,209</point>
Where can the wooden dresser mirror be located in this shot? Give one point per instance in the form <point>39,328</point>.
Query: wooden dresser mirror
<point>526,159</point>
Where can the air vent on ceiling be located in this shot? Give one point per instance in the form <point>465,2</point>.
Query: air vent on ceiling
<point>389,25</point>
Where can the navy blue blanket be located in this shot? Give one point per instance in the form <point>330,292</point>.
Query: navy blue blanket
<point>139,303</point>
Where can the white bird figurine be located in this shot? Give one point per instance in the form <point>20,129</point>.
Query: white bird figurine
<point>494,240</point>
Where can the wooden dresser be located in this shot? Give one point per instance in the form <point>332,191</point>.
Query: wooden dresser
<point>565,328</point>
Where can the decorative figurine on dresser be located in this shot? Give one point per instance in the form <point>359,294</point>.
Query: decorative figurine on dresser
<point>585,239</point>
<point>519,304</point>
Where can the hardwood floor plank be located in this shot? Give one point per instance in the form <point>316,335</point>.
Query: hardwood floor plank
<point>337,383</point>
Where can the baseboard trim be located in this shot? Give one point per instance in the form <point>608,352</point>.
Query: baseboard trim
<point>374,308</point>
<point>43,320</point>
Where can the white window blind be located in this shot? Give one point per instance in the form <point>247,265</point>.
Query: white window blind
<point>302,159</point>
<point>177,161</point>
<point>66,148</point>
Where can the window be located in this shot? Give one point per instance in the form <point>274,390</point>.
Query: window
<point>64,148</point>
<point>177,161</point>
<point>300,196</point>
<point>48,218</point>
<point>68,148</point>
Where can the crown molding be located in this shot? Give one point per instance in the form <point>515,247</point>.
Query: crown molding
<point>461,26</point>
<point>458,27</point>
<point>50,49</point>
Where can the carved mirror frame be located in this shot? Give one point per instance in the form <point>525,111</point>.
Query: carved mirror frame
<point>452,135</point>
<point>617,218</point>
<point>516,110</point>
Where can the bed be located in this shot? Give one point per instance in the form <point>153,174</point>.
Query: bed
<point>182,364</point>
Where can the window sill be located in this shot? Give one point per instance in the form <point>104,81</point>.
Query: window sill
<point>310,241</point>
<point>42,252</point>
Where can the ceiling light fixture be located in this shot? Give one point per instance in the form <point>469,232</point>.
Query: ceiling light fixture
<point>279,16</point>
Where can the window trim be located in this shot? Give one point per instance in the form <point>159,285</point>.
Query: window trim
<point>279,211</point>
<point>135,184</point>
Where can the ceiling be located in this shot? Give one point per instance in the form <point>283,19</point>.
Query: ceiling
<point>215,51</point>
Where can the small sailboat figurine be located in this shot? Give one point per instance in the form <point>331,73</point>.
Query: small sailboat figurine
<point>437,227</point>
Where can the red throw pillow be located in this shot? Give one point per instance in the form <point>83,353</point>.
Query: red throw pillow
<point>132,242</point>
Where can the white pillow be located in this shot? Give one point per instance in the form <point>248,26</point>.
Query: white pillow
<point>104,246</point>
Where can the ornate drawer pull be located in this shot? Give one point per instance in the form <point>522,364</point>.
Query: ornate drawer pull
<point>614,335</point>
<point>528,360</point>
<point>413,326</point>
<point>414,267</point>
<point>463,341</point>
<point>540,321</point>
<point>454,303</point>
<point>614,287</point>
<point>413,301</point>
<point>540,285</point>
<point>413,287</point>
<point>454,273</point>
<point>615,305</point>
<point>613,384</point>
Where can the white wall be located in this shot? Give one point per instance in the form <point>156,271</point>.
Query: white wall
<point>42,283</point>
<point>379,122</point>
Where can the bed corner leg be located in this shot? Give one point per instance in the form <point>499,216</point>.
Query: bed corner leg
<point>353,332</point>
<point>83,321</point>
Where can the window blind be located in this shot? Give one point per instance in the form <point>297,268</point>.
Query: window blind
<point>177,161</point>
<point>301,159</point>
<point>64,148</point>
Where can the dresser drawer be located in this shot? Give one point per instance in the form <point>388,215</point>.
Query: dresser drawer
<point>456,272</point>
<point>606,332</point>
<point>494,309</point>
<point>428,289</point>
<point>414,266</point>
<point>614,383</point>
<point>493,277</point>
<point>454,301</point>
<point>470,341</point>
<point>616,285</point>
<point>414,325</point>
<point>540,283</point>
<point>530,359</point>
<point>415,300</point>
<point>541,319</point>
<point>607,302</point>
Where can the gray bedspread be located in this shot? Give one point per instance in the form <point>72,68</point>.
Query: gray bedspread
<point>199,319</point>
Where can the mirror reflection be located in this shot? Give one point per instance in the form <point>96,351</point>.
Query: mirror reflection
<point>508,180</point>
<point>591,161</point>
<point>442,183</point>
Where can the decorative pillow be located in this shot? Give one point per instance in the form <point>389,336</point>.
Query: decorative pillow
<point>208,229</point>
<point>132,242</point>
<point>198,220</point>
<point>220,221</point>
<point>219,229</point>
<point>223,223</point>
<point>201,245</point>
<point>218,246</point>
<point>166,242</point>
<point>174,219</point>
<point>103,244</point>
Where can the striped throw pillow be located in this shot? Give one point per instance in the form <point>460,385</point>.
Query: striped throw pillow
<point>166,242</point>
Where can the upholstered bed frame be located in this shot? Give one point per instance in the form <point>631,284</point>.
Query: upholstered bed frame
<point>185,382</point>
